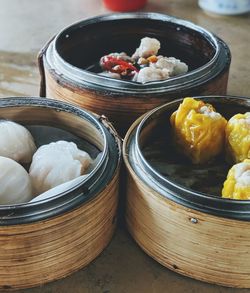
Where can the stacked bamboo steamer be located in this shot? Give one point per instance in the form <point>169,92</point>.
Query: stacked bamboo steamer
<point>194,233</point>
<point>172,225</point>
<point>49,239</point>
<point>69,61</point>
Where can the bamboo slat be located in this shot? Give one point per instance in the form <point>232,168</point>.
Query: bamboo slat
<point>122,111</point>
<point>214,250</point>
<point>196,244</point>
<point>34,254</point>
<point>38,252</point>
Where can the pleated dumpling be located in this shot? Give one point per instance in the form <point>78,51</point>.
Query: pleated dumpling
<point>238,138</point>
<point>59,189</point>
<point>198,130</point>
<point>16,142</point>
<point>237,184</point>
<point>15,183</point>
<point>57,163</point>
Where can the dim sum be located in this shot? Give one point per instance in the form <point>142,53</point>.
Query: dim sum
<point>15,183</point>
<point>238,138</point>
<point>198,130</point>
<point>16,142</point>
<point>57,163</point>
<point>237,184</point>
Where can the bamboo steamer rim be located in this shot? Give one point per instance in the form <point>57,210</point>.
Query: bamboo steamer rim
<point>81,192</point>
<point>86,79</point>
<point>167,188</point>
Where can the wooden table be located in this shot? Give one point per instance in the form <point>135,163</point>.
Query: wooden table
<point>25,26</point>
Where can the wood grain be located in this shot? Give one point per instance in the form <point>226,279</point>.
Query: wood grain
<point>195,244</point>
<point>122,111</point>
<point>36,253</point>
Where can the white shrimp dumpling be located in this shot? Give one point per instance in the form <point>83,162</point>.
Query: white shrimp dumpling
<point>59,189</point>
<point>16,142</point>
<point>57,163</point>
<point>15,183</point>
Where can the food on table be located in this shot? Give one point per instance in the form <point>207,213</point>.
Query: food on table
<point>237,184</point>
<point>238,138</point>
<point>144,65</point>
<point>57,163</point>
<point>16,142</point>
<point>15,183</point>
<point>69,184</point>
<point>198,130</point>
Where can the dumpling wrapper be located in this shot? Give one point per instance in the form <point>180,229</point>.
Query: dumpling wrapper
<point>198,130</point>
<point>16,142</point>
<point>237,184</point>
<point>59,189</point>
<point>238,138</point>
<point>15,183</point>
<point>57,163</point>
<point>68,185</point>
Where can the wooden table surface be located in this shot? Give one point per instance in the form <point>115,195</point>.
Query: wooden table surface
<point>25,26</point>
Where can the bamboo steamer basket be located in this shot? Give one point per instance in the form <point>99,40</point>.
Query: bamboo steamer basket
<point>52,238</point>
<point>69,62</point>
<point>185,226</point>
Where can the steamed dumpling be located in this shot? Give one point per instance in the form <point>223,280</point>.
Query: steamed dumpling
<point>59,189</point>
<point>15,182</point>
<point>16,142</point>
<point>238,138</point>
<point>198,130</point>
<point>57,163</point>
<point>151,74</point>
<point>237,184</point>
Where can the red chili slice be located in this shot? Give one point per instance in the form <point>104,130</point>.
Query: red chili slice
<point>116,65</point>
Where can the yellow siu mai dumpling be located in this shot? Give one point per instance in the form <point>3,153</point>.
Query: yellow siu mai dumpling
<point>238,138</point>
<point>198,130</point>
<point>237,184</point>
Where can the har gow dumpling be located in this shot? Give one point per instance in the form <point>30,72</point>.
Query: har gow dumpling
<point>57,163</point>
<point>16,142</point>
<point>15,183</point>
<point>59,189</point>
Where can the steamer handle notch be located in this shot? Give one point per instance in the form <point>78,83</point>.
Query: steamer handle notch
<point>40,62</point>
